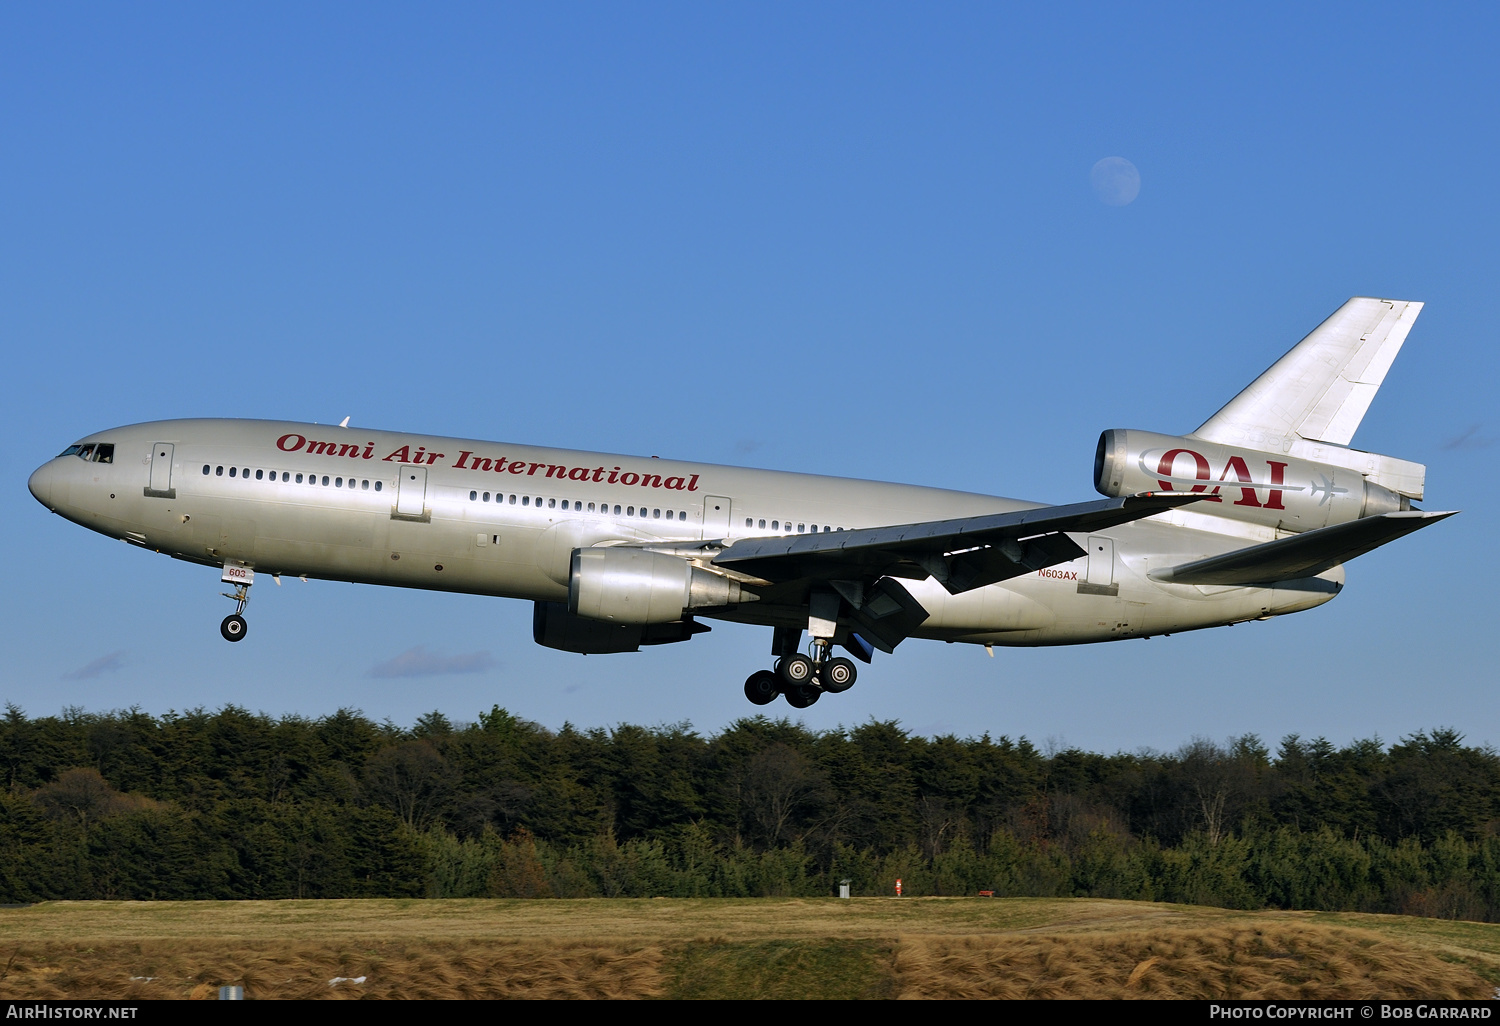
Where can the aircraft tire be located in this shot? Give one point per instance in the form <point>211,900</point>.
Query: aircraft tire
<point>234,627</point>
<point>796,670</point>
<point>802,697</point>
<point>762,687</point>
<point>838,675</point>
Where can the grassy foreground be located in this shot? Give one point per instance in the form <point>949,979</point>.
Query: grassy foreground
<point>723,948</point>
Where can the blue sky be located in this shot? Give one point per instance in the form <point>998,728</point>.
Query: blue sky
<point>856,239</point>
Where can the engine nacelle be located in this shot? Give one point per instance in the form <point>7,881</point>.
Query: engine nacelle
<point>552,626</point>
<point>634,586</point>
<point>1277,490</point>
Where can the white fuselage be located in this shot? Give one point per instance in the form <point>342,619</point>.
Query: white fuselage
<point>499,519</point>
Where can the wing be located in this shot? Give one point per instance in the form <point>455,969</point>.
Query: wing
<point>961,554</point>
<point>1321,389</point>
<point>1302,555</point>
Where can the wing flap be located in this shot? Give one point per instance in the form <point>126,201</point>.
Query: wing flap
<point>1302,555</point>
<point>962,554</point>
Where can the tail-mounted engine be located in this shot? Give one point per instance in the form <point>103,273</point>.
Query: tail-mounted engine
<point>1278,490</point>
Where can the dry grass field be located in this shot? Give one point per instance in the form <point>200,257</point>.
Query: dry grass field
<point>771,948</point>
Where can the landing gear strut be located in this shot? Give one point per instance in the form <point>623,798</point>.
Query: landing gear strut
<point>234,626</point>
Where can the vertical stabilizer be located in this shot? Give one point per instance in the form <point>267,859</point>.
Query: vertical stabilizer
<point>1319,391</point>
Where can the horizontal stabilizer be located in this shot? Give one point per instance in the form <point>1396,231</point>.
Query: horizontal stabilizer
<point>1302,555</point>
<point>1320,390</point>
<point>961,554</point>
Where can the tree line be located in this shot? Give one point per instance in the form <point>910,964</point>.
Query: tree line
<point>230,804</point>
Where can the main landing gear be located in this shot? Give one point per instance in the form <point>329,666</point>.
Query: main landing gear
<point>802,680</point>
<point>234,626</point>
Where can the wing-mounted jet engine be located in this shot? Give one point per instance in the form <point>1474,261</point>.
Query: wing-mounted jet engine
<point>623,597</point>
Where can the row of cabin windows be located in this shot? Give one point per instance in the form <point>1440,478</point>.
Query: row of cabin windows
<point>525,500</point>
<point>801,528</point>
<point>287,477</point>
<point>578,507</point>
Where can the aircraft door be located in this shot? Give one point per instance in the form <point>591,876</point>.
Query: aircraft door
<point>1100,576</point>
<point>716,509</point>
<point>411,492</point>
<point>1101,561</point>
<point>161,472</point>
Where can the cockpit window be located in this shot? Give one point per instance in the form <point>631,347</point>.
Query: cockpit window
<point>97,452</point>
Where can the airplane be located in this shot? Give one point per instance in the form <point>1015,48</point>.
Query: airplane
<point>1251,516</point>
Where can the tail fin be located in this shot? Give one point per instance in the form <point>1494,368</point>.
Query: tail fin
<point>1321,389</point>
<point>1310,402</point>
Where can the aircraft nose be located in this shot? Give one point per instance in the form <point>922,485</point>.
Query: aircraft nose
<point>41,483</point>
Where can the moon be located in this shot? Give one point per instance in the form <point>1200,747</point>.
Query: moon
<point>1115,181</point>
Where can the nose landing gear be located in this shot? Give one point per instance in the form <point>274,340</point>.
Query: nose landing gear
<point>234,626</point>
